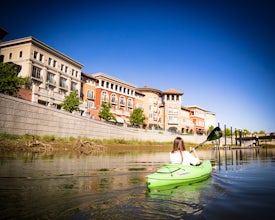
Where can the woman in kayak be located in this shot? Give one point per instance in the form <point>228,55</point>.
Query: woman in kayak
<point>180,155</point>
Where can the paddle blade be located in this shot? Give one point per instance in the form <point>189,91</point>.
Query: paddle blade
<point>215,134</point>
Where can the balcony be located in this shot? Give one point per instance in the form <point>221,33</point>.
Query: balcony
<point>91,97</point>
<point>113,102</point>
<point>51,82</point>
<point>173,122</point>
<point>37,77</point>
<point>63,87</point>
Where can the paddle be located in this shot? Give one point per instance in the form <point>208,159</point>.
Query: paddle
<point>214,135</point>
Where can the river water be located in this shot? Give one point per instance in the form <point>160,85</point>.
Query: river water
<point>113,186</point>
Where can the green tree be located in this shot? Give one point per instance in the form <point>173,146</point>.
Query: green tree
<point>105,112</point>
<point>228,132</point>
<point>71,102</point>
<point>246,132</point>
<point>10,82</point>
<point>137,117</point>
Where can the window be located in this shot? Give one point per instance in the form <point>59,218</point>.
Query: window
<point>10,55</point>
<point>50,61</point>
<point>173,120</point>
<point>104,96</point>
<point>90,94</point>
<point>50,78</point>
<point>90,105</point>
<point>41,57</point>
<point>54,63</point>
<point>36,72</point>
<point>122,101</point>
<point>63,83</point>
<point>62,67</point>
<point>72,72</point>
<point>20,54</point>
<point>73,86</point>
<point>113,98</point>
<point>130,103</point>
<point>66,69</point>
<point>172,110</point>
<point>35,54</point>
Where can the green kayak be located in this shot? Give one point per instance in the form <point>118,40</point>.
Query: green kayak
<point>172,174</point>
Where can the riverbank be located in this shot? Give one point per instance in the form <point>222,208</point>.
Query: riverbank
<point>81,145</point>
<point>51,144</point>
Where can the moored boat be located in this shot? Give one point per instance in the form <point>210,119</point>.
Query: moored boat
<point>171,174</point>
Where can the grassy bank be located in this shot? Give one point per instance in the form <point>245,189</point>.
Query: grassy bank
<point>50,143</point>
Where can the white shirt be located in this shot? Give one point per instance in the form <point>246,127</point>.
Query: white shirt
<point>187,158</point>
<point>175,157</point>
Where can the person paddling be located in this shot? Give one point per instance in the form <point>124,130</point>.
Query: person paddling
<point>180,155</point>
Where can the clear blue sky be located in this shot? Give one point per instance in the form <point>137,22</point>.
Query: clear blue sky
<point>221,54</point>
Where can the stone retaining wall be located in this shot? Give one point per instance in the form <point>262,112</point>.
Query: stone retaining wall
<point>23,117</point>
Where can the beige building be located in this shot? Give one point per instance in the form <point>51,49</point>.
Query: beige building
<point>152,107</point>
<point>210,119</point>
<point>172,110</point>
<point>53,74</point>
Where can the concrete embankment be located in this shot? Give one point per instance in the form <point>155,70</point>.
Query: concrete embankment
<point>22,117</point>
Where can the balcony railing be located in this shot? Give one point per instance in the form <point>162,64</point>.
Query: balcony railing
<point>91,97</point>
<point>64,87</point>
<point>37,76</point>
<point>52,82</point>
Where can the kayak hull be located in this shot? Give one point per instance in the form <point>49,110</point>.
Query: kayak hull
<point>175,174</point>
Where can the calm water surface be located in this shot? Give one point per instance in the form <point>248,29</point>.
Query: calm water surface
<point>32,186</point>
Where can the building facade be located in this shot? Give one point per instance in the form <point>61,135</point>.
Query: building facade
<point>120,94</point>
<point>53,74</point>
<point>197,116</point>
<point>152,107</point>
<point>172,110</point>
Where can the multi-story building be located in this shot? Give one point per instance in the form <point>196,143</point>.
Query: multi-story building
<point>172,110</point>
<point>123,96</point>
<point>120,94</point>
<point>186,122</point>
<point>197,115</point>
<point>53,74</point>
<point>88,95</point>
<point>152,107</point>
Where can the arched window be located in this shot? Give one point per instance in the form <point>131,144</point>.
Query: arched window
<point>113,99</point>
<point>122,101</point>
<point>130,103</point>
<point>104,96</point>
